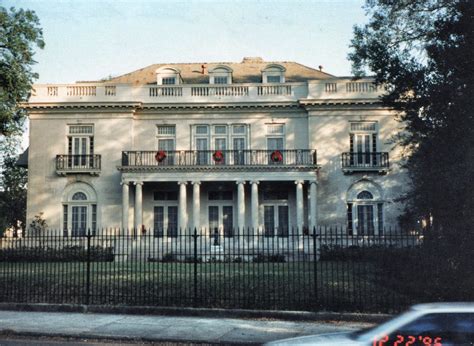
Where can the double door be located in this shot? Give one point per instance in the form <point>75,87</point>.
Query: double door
<point>364,150</point>
<point>165,218</point>
<point>221,217</point>
<point>80,148</point>
<point>79,221</point>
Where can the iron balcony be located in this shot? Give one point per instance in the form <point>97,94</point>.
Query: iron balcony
<point>365,162</point>
<point>221,159</point>
<point>73,164</point>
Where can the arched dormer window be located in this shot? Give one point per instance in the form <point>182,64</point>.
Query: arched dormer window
<point>273,73</point>
<point>220,75</point>
<point>168,76</point>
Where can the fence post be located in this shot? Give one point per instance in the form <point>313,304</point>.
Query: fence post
<point>88,267</point>
<point>195,236</point>
<point>315,265</point>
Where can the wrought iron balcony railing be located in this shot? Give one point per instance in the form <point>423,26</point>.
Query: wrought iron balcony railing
<point>78,164</point>
<point>220,158</point>
<point>365,161</point>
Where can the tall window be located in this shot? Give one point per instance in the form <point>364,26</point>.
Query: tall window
<point>363,143</point>
<point>365,215</point>
<point>166,135</point>
<point>79,211</point>
<point>80,146</point>
<point>230,140</point>
<point>275,136</point>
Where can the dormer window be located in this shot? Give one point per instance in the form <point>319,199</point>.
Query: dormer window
<point>220,80</point>
<point>168,76</point>
<point>220,75</point>
<point>273,73</point>
<point>168,81</point>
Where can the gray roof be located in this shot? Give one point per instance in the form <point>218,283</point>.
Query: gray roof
<point>247,71</point>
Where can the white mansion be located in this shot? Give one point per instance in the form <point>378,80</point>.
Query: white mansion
<point>268,146</point>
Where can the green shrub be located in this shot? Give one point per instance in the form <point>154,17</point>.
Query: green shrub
<point>65,254</point>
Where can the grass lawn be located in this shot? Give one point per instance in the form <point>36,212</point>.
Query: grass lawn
<point>346,286</point>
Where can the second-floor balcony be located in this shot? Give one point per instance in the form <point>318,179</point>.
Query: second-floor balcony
<point>74,164</point>
<point>365,162</point>
<point>221,159</point>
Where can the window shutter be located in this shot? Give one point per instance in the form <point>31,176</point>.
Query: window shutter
<point>374,149</point>
<point>350,227</point>
<point>351,149</point>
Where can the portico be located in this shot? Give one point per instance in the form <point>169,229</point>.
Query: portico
<point>219,200</point>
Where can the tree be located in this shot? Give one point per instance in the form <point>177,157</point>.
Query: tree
<point>423,51</point>
<point>13,194</point>
<point>19,34</point>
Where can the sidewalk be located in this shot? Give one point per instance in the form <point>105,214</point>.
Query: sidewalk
<point>161,328</point>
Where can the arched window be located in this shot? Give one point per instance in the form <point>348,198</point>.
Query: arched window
<point>365,209</point>
<point>79,210</point>
<point>79,196</point>
<point>365,195</point>
<point>273,73</point>
<point>220,75</point>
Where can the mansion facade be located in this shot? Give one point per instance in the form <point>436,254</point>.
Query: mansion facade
<point>266,146</point>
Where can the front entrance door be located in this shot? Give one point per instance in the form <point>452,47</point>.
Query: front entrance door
<point>275,218</point>
<point>79,221</point>
<point>221,217</point>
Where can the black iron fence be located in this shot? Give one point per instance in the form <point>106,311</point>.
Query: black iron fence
<point>78,162</point>
<point>365,160</point>
<point>299,271</point>
<point>220,158</point>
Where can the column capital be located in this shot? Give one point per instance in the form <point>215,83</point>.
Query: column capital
<point>138,183</point>
<point>183,182</point>
<point>256,182</point>
<point>240,182</point>
<point>124,182</point>
<point>297,182</point>
<point>196,182</point>
<point>313,182</point>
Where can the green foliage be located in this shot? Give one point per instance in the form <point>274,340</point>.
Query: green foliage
<point>13,195</point>
<point>19,34</point>
<point>38,225</point>
<point>65,254</point>
<point>422,50</point>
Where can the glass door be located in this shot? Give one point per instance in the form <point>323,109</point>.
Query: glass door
<point>158,221</point>
<point>275,219</point>
<point>362,147</point>
<point>365,219</point>
<point>167,145</point>
<point>80,150</point>
<point>228,220</point>
<point>202,154</point>
<point>79,221</point>
<point>238,151</point>
<point>220,144</point>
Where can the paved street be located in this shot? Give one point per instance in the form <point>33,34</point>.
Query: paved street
<point>157,328</point>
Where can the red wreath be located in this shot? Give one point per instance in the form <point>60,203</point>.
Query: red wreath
<point>160,156</point>
<point>218,156</point>
<point>276,156</point>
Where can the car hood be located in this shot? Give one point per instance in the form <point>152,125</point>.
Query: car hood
<point>340,338</point>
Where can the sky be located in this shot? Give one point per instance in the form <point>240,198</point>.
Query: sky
<point>91,39</point>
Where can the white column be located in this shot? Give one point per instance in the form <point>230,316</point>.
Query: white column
<point>299,206</point>
<point>240,206</point>
<point>125,206</point>
<point>183,210</point>
<point>138,207</point>
<point>255,205</point>
<point>312,205</point>
<point>196,205</point>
